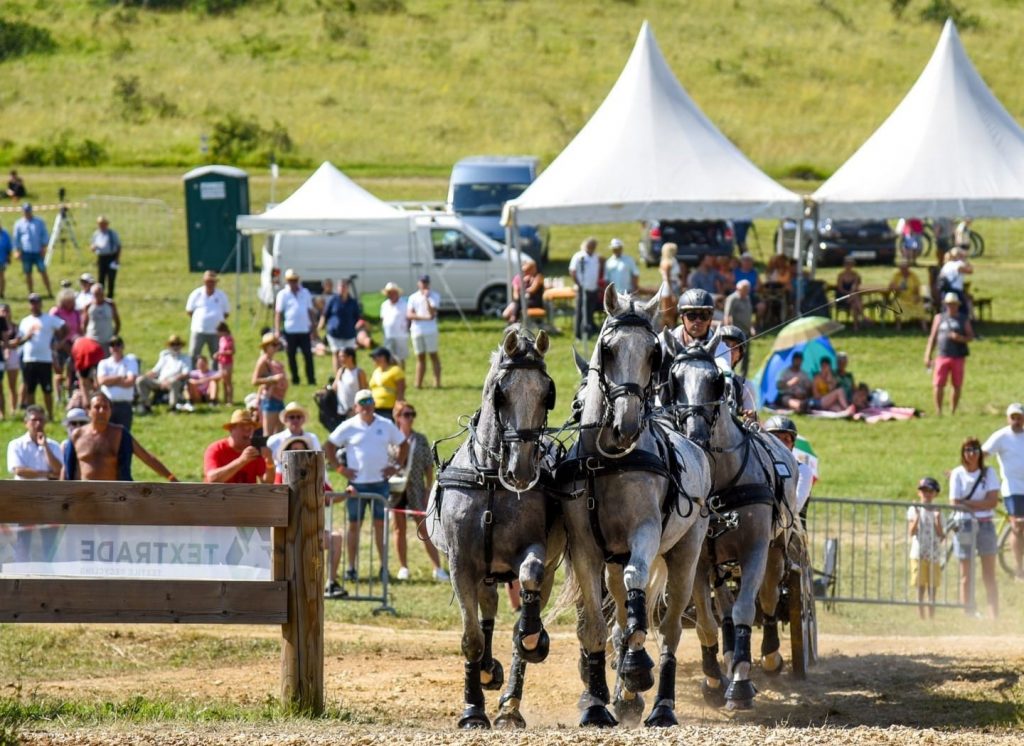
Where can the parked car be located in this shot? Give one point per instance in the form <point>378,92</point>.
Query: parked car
<point>479,188</point>
<point>467,268</point>
<point>867,241</point>
<point>695,238</point>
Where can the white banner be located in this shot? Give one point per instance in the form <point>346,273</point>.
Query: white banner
<point>172,552</point>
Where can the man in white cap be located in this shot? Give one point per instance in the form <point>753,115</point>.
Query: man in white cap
<point>30,238</point>
<point>621,269</point>
<point>1008,444</point>
<point>294,317</point>
<point>395,323</point>
<point>106,245</point>
<point>83,298</point>
<point>365,439</point>
<point>951,332</point>
<point>207,305</point>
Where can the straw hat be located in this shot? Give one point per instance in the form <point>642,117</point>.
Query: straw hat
<point>239,417</point>
<point>391,286</point>
<point>293,406</point>
<point>269,338</point>
<point>287,444</point>
<point>175,341</point>
<point>291,274</point>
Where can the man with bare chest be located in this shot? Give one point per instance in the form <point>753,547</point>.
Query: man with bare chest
<point>102,451</point>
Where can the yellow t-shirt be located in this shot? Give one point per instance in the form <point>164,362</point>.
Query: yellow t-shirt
<point>384,385</point>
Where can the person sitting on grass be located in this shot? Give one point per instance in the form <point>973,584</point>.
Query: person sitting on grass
<point>202,382</point>
<point>827,391</point>
<point>794,385</point>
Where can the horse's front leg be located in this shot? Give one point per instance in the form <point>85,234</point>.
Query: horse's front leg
<point>768,598</point>
<point>637,666</point>
<point>492,675</point>
<point>530,637</point>
<point>740,694</point>
<point>628,705</point>
<point>467,590</point>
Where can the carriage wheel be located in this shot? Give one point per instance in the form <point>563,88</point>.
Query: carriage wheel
<point>803,628</point>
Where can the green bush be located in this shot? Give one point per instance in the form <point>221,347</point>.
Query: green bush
<point>805,172</point>
<point>244,140</point>
<point>63,151</point>
<point>212,7</point>
<point>18,38</point>
<point>937,11</point>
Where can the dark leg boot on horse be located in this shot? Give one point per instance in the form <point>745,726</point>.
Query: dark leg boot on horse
<point>509,716</point>
<point>474,716</point>
<point>530,629</point>
<point>740,694</point>
<point>492,675</point>
<point>595,699</point>
<point>714,694</point>
<point>636,667</point>
<point>771,658</point>
<point>663,715</point>
<point>728,644</point>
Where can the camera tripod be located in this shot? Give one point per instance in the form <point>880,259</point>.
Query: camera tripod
<point>63,229</point>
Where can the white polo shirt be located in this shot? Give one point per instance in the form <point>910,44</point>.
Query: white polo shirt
<point>294,309</point>
<point>587,268</point>
<point>366,446</point>
<point>1009,447</point>
<point>207,310</point>
<point>39,349</point>
<point>110,367</point>
<point>27,453</point>
<point>393,320</point>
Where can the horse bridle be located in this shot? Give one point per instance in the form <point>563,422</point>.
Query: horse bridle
<point>707,411</point>
<point>509,435</point>
<point>627,320</point>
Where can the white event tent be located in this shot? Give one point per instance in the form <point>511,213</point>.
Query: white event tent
<point>949,149</point>
<point>650,153</point>
<point>327,202</point>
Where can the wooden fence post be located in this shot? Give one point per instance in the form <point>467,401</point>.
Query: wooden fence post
<point>302,637</point>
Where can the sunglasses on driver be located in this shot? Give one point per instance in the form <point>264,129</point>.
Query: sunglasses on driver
<point>697,315</point>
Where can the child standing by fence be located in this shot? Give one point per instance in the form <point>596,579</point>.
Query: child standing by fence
<point>924,526</point>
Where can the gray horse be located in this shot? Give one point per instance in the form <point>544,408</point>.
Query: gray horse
<point>497,525</point>
<point>640,491</point>
<point>755,489</point>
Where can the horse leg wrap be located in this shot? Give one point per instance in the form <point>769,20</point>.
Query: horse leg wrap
<point>636,667</point>
<point>667,679</point>
<point>728,635</point>
<point>492,675</point>
<point>509,716</point>
<point>530,625</point>
<point>742,644</point>
<point>597,682</point>
<point>474,694</point>
<point>709,662</point>
<point>515,683</point>
<point>770,639</point>
<point>636,612</point>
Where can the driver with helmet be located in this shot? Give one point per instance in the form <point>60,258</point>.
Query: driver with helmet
<point>741,391</point>
<point>696,308</point>
<point>784,429</point>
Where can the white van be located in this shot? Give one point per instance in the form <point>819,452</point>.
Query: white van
<point>468,270</point>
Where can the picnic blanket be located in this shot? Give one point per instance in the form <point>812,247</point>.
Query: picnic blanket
<point>870,415</point>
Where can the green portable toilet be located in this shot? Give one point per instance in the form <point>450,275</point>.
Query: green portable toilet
<point>214,197</point>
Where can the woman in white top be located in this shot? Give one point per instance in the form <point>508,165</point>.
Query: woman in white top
<point>974,489</point>
<point>348,381</point>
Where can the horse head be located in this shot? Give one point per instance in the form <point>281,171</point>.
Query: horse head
<point>520,394</point>
<point>626,358</point>
<point>697,386</point>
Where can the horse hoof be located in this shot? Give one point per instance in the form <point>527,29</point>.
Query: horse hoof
<point>497,674</point>
<point>597,716</point>
<point>474,718</point>
<point>661,717</point>
<point>540,653</point>
<point>715,697</point>
<point>637,671</point>
<point>509,721</point>
<point>740,695</point>
<point>629,711</point>
<point>775,658</point>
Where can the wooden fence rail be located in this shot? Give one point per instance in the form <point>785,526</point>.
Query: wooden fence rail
<point>293,598</point>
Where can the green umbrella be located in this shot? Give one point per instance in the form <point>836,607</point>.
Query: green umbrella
<point>804,330</point>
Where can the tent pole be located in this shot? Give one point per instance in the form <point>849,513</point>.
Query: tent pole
<point>510,230</point>
<point>812,212</point>
<point>519,271</point>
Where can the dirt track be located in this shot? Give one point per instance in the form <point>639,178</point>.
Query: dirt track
<point>405,686</point>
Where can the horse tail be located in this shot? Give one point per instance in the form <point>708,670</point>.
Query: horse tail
<point>657,592</point>
<point>569,597</point>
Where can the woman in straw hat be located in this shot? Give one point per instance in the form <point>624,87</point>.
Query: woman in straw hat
<point>293,417</point>
<point>270,377</point>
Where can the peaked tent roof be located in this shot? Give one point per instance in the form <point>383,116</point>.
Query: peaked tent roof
<point>948,149</point>
<point>328,202</point>
<point>649,152</point>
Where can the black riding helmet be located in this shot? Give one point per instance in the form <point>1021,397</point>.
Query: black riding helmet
<point>780,424</point>
<point>733,332</point>
<point>696,298</point>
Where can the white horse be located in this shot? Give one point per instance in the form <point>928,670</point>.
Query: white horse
<point>640,492</point>
<point>755,485</point>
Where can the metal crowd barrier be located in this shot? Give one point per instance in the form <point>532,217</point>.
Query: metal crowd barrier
<point>373,583</point>
<point>865,547</point>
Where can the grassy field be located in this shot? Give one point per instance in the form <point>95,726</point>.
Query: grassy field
<point>409,86</point>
